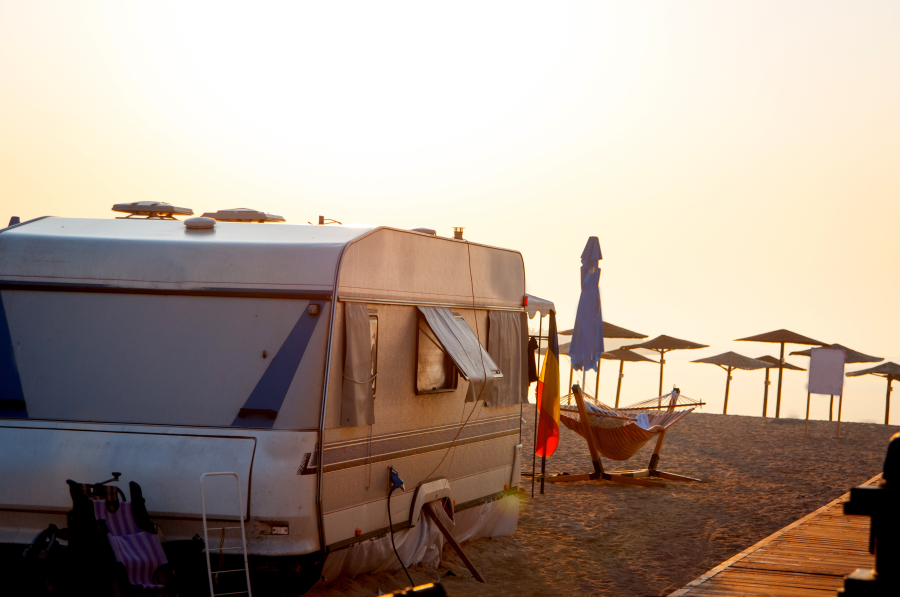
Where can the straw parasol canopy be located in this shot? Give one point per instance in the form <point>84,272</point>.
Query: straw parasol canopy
<point>563,349</point>
<point>850,356</point>
<point>781,337</point>
<point>611,330</point>
<point>622,355</point>
<point>774,362</point>
<point>729,361</point>
<point>662,345</point>
<point>889,371</point>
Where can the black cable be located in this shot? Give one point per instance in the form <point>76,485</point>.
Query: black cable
<point>391,522</point>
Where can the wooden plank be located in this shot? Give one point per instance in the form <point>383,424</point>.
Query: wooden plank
<point>809,557</point>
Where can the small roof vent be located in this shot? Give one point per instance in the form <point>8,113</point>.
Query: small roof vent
<point>200,223</point>
<point>425,231</point>
<point>242,214</point>
<point>151,210</point>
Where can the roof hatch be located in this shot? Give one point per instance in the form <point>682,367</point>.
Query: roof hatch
<point>152,210</point>
<point>242,214</point>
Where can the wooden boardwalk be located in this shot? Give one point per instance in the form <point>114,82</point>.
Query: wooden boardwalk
<point>807,558</point>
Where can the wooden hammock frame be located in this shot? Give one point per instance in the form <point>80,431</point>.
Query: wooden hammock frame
<point>639,477</point>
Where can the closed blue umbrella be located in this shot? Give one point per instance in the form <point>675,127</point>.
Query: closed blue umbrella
<point>587,336</point>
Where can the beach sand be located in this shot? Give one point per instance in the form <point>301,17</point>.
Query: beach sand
<point>610,539</point>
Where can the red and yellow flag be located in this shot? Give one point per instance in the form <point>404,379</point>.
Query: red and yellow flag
<point>548,396</point>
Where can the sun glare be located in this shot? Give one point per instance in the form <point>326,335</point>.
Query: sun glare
<point>372,80</point>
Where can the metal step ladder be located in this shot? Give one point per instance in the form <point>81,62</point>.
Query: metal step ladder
<point>221,550</point>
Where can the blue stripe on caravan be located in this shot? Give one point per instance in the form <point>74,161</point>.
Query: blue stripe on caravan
<point>12,399</point>
<point>269,393</point>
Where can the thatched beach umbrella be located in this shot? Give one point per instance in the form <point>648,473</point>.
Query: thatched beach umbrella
<point>775,362</point>
<point>729,361</point>
<point>781,337</point>
<point>850,357</point>
<point>610,330</point>
<point>622,355</point>
<point>889,371</point>
<point>662,345</point>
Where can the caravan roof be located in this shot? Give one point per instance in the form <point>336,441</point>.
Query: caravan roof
<point>165,255</point>
<point>162,256</point>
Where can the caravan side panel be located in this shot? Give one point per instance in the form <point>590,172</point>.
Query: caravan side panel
<point>165,360</point>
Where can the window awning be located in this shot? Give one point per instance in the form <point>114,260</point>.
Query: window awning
<point>460,342</point>
<point>538,305</point>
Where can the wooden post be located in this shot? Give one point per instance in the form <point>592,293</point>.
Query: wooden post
<point>619,384</point>
<point>654,459</point>
<point>780,373</point>
<point>588,434</point>
<point>662,363</point>
<point>840,404</point>
<point>766,393</point>
<point>806,430</point>
<point>537,414</point>
<point>887,400</point>
<point>727,387</point>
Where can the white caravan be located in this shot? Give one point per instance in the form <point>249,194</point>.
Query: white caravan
<point>307,359</point>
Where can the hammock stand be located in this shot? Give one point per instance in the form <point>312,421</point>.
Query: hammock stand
<point>615,434</point>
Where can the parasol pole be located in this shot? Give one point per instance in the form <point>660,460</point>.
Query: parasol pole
<point>571,372</point>
<point>806,429</point>
<point>766,392</point>
<point>727,387</point>
<point>536,413</point>
<point>780,373</point>
<point>887,399</point>
<point>840,404</point>
<point>619,384</point>
<point>597,385</point>
<point>662,363</point>
<point>831,408</point>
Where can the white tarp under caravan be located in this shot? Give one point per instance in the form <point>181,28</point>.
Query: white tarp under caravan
<point>308,359</point>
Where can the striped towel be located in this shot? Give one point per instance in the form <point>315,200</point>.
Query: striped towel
<point>140,552</point>
<point>120,522</point>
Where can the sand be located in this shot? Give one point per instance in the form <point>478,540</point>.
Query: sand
<point>600,538</point>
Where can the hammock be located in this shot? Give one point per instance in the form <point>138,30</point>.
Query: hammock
<point>620,432</point>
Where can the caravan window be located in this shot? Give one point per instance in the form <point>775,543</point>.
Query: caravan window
<point>435,371</point>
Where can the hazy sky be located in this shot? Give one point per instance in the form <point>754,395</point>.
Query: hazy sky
<point>740,162</point>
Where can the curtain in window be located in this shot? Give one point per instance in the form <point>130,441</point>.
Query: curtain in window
<point>357,399</point>
<point>460,342</point>
<point>507,341</point>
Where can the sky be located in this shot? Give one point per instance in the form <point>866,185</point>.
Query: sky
<point>738,161</point>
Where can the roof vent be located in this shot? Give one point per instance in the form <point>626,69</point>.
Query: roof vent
<point>457,232</point>
<point>425,231</point>
<point>151,210</point>
<point>242,214</point>
<point>200,223</point>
